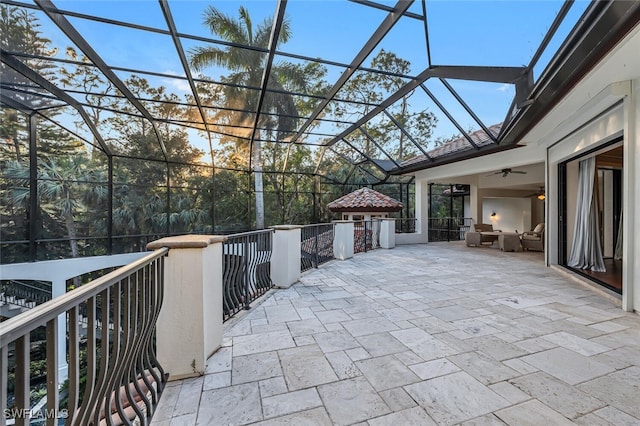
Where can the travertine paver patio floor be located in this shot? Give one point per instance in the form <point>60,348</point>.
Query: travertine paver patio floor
<point>423,334</point>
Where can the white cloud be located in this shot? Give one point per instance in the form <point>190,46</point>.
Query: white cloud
<point>179,84</point>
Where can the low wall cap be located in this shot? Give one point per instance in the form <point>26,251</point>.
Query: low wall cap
<point>186,241</point>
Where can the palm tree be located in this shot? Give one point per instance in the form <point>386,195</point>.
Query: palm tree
<point>66,188</point>
<point>246,66</point>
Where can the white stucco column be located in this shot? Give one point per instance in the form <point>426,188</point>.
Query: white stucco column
<point>58,288</point>
<point>343,239</point>
<point>631,201</point>
<point>189,327</point>
<point>285,255</point>
<point>387,233</point>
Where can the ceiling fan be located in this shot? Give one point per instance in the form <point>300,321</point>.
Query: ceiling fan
<point>540,194</point>
<point>505,172</point>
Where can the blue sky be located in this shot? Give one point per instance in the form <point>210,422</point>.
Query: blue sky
<point>490,33</point>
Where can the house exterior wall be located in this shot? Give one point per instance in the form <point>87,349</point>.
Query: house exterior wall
<point>512,214</point>
<point>603,106</point>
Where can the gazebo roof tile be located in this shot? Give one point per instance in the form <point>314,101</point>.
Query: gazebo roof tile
<point>365,199</point>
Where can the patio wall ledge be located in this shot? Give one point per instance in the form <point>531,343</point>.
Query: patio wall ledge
<point>186,241</point>
<point>189,327</point>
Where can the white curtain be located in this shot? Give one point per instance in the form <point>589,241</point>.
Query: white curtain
<point>618,254</point>
<point>586,252</point>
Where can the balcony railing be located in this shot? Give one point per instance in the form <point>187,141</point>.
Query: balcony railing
<point>25,294</point>
<point>366,236</point>
<point>247,270</point>
<point>406,225</point>
<point>448,228</point>
<point>316,245</point>
<point>114,376</point>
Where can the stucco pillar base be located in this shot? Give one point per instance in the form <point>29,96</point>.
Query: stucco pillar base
<point>387,233</point>
<point>343,239</point>
<point>189,327</point>
<point>285,257</point>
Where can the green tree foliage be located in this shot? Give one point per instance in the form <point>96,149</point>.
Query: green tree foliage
<point>371,88</point>
<point>245,71</point>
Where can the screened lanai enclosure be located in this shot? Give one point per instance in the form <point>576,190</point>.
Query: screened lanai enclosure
<point>123,122</point>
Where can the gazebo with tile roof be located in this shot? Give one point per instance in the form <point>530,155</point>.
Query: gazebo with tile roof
<point>364,204</point>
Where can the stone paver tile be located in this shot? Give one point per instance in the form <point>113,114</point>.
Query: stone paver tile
<point>577,344</point>
<point>397,314</point>
<point>334,326</point>
<point>593,420</point>
<point>168,401</point>
<point>436,368</point>
<point>407,295</point>
<point>386,372</point>
<point>617,417</point>
<point>332,294</point>
<point>189,396</point>
<point>333,341</point>
<point>409,358</point>
<point>304,340</point>
<point>496,347</point>
<point>251,368</point>
<point>305,366</point>
<point>291,402</point>
<point>357,354</point>
<point>620,389</point>
<point>397,399</point>
<point>415,416</point>
<point>272,386</point>
<point>432,325</point>
<point>362,327</point>
<point>281,313</point>
<point>452,313</point>
<point>455,398</point>
<point>536,344</point>
<point>314,417</point>
<point>532,413</point>
<point>546,312</point>
<point>216,380</point>
<point>486,420</point>
<point>264,342</point>
<point>269,328</point>
<point>567,365</point>
<point>608,326</point>
<point>520,302</point>
<point>423,344</point>
<point>520,366</point>
<point>381,344</point>
<point>558,395</point>
<point>186,420</point>
<point>351,401</point>
<point>342,365</point>
<point>305,327</point>
<point>333,316</point>
<point>485,369</point>
<point>510,392</point>
<point>221,407</point>
<point>472,327</point>
<point>219,361</point>
<point>305,313</point>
